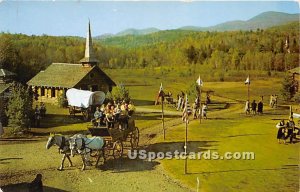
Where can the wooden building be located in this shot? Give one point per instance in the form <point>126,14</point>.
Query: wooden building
<point>6,80</point>
<point>58,77</point>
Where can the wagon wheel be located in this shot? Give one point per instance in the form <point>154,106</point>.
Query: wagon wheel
<point>134,138</point>
<point>118,149</point>
<point>71,111</point>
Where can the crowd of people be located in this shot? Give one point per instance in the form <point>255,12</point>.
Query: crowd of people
<point>253,107</point>
<point>113,112</point>
<point>287,130</point>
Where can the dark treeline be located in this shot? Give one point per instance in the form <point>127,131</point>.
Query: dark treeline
<point>273,49</point>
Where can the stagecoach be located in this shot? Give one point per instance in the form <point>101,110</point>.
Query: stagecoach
<point>121,135</point>
<point>84,102</point>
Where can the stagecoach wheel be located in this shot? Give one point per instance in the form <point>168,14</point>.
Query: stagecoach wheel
<point>134,140</point>
<point>118,149</point>
<point>71,112</point>
<point>94,153</point>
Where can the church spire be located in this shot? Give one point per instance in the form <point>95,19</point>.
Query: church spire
<point>89,59</point>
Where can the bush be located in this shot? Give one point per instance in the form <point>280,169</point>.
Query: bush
<point>62,100</point>
<point>297,97</point>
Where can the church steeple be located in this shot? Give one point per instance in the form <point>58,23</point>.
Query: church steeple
<point>89,58</point>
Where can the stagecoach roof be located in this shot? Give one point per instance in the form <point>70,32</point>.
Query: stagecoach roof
<point>64,75</point>
<point>83,98</point>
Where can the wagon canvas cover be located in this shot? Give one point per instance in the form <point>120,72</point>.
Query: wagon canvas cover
<point>83,98</point>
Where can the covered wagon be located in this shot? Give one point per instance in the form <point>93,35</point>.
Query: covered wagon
<point>85,102</point>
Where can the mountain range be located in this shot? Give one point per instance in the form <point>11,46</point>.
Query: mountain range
<point>262,21</point>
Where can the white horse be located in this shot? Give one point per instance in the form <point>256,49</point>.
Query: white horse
<point>85,146</point>
<point>63,146</point>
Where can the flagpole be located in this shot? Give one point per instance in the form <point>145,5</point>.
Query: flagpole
<point>185,147</point>
<point>200,108</point>
<point>162,116</point>
<point>186,135</point>
<point>248,91</point>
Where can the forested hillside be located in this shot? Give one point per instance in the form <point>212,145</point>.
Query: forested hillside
<point>222,51</point>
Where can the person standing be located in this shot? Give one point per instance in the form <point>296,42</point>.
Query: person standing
<point>1,129</point>
<point>204,111</point>
<point>253,107</point>
<point>260,106</point>
<point>179,102</point>
<point>247,107</point>
<point>280,133</point>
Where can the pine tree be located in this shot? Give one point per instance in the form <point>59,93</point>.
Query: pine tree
<point>19,109</point>
<point>287,91</point>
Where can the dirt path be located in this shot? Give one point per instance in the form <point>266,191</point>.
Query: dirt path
<point>19,162</point>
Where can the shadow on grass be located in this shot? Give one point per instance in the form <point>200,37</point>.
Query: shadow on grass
<point>7,160</point>
<point>154,117</point>
<point>124,165</point>
<point>24,187</point>
<point>242,135</point>
<point>139,102</point>
<point>55,120</point>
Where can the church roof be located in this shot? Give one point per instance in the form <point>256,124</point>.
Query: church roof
<point>89,56</point>
<point>65,75</point>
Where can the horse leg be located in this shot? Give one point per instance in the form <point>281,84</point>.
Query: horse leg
<point>62,163</point>
<point>87,158</point>
<point>70,162</point>
<point>99,158</point>
<point>83,162</point>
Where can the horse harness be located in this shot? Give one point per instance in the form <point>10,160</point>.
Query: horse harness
<point>84,145</point>
<point>63,143</point>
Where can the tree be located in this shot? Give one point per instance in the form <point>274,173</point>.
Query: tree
<point>287,90</point>
<point>191,54</point>
<point>121,93</point>
<point>19,109</point>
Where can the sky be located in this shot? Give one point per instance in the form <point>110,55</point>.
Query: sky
<point>71,17</point>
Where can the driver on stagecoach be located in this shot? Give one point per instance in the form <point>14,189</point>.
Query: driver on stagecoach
<point>97,117</point>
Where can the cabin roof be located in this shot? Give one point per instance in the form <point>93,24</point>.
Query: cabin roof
<point>3,87</point>
<point>6,73</point>
<point>65,75</point>
<point>295,70</point>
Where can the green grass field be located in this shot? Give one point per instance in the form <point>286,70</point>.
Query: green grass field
<point>227,129</point>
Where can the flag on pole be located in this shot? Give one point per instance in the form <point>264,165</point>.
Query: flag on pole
<point>199,81</point>
<point>187,110</point>
<point>160,94</point>
<point>247,80</point>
